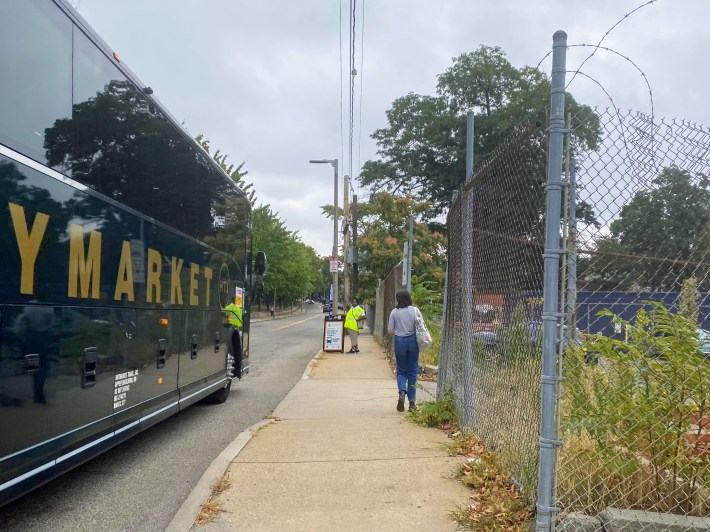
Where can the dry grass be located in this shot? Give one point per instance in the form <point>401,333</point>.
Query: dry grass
<point>592,478</point>
<point>211,508</point>
<point>208,512</point>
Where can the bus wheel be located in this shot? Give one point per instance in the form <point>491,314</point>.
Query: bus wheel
<point>220,396</point>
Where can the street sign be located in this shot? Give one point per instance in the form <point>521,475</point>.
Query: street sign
<point>333,264</point>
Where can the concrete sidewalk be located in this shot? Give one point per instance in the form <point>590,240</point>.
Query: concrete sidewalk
<point>336,456</point>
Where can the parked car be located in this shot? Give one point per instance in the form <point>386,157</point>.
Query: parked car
<point>492,339</point>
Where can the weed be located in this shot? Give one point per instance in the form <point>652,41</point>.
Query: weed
<point>440,413</point>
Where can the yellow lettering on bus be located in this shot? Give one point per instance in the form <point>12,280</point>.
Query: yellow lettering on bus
<point>124,278</point>
<point>84,269</point>
<point>175,287</point>
<point>194,272</point>
<point>208,277</point>
<point>155,266</point>
<point>28,242</point>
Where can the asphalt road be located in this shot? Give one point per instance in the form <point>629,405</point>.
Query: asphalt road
<point>141,484</point>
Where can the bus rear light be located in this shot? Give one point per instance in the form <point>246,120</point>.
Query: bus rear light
<point>160,380</point>
<point>163,321</point>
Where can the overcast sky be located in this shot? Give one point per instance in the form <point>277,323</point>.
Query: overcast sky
<point>262,79</point>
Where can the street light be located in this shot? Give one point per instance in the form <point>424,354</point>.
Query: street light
<point>334,164</point>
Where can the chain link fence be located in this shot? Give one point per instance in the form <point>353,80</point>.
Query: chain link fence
<point>490,351</point>
<point>635,401</point>
<point>631,311</point>
<point>384,303</point>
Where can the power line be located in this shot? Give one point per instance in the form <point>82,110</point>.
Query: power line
<point>353,73</point>
<point>340,28</point>
<point>362,60</point>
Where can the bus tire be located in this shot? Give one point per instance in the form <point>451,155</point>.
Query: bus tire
<point>220,396</point>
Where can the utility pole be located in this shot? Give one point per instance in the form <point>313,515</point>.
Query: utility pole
<point>346,242</point>
<point>356,280</point>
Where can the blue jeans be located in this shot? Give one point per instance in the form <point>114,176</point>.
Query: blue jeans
<point>406,353</point>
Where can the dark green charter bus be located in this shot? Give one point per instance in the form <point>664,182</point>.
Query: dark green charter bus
<point>121,242</point>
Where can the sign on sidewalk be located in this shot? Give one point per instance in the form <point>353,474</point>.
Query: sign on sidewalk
<point>333,337</point>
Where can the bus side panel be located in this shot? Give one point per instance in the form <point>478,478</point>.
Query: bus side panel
<point>145,385</point>
<point>80,383</point>
<point>204,355</point>
<point>23,415</point>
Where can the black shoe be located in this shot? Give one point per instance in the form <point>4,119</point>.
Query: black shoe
<point>400,402</point>
<point>350,352</point>
<point>412,406</point>
<point>357,350</point>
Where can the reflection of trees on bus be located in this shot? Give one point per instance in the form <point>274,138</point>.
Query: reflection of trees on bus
<point>121,146</point>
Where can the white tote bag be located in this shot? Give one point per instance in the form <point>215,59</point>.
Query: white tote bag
<point>423,335</point>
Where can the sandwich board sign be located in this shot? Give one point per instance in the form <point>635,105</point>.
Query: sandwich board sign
<point>333,337</point>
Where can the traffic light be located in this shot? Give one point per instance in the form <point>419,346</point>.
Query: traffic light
<point>260,263</point>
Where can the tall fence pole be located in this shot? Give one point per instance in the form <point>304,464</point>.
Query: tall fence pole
<point>441,384</point>
<point>551,314</point>
<point>467,278</point>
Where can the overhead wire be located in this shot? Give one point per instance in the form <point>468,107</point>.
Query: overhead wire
<point>353,73</point>
<point>340,28</point>
<point>362,60</point>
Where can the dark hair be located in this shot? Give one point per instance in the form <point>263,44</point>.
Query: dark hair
<point>355,301</point>
<point>404,299</point>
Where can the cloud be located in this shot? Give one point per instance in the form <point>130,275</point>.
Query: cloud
<point>262,80</point>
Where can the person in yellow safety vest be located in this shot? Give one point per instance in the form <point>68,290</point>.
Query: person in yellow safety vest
<point>234,315</point>
<point>352,319</point>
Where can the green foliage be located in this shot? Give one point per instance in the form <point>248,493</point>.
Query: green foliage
<point>294,269</point>
<point>629,416</point>
<point>236,174</point>
<point>436,413</point>
<point>689,297</point>
<point>515,339</point>
<point>422,149</point>
<point>384,228</point>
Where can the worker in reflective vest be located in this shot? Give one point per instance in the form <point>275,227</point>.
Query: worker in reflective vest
<point>352,324</point>
<point>234,315</point>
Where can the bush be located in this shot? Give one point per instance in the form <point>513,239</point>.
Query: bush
<point>626,420</point>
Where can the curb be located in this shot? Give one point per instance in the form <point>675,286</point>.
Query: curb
<point>185,518</point>
<point>311,365</point>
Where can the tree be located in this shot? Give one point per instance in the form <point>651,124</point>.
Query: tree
<point>236,174</point>
<point>422,148</point>
<point>669,222</point>
<point>293,267</point>
<point>384,228</point>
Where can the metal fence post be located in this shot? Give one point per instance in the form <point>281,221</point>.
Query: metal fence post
<point>441,384</point>
<point>551,314</point>
<point>467,278</point>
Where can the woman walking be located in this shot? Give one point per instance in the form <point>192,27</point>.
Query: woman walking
<point>402,324</point>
